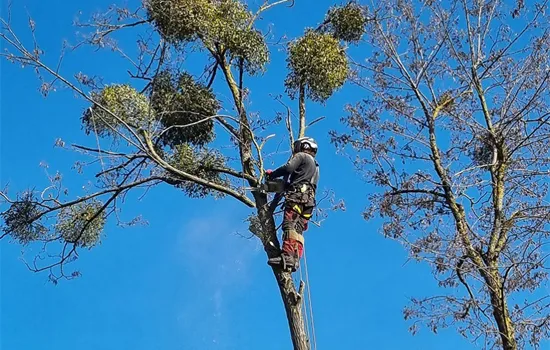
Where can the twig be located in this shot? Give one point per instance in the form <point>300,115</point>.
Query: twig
<point>205,119</point>
<point>266,6</point>
<point>17,44</point>
<point>315,121</point>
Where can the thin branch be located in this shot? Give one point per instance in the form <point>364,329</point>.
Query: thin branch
<point>189,177</point>
<point>182,126</point>
<point>315,121</point>
<point>234,173</point>
<point>39,63</point>
<point>266,6</point>
<point>116,189</point>
<point>84,148</point>
<point>110,28</point>
<point>432,192</point>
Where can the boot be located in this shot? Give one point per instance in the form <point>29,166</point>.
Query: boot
<point>290,256</point>
<point>287,261</point>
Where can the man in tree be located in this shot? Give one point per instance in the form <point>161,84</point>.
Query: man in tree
<point>303,172</point>
<point>164,133</point>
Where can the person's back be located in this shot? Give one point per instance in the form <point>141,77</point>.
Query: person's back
<point>306,171</point>
<point>302,167</point>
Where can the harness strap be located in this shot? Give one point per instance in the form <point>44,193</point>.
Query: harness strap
<point>298,210</point>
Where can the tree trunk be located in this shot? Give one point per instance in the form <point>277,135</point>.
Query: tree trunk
<point>302,109</point>
<point>501,313</point>
<point>293,310</point>
<point>284,279</point>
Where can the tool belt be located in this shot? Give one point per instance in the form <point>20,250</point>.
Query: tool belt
<point>302,193</point>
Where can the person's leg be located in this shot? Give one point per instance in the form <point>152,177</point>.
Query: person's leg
<point>293,244</point>
<point>303,219</point>
<point>293,241</point>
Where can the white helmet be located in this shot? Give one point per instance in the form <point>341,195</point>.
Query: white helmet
<point>305,143</point>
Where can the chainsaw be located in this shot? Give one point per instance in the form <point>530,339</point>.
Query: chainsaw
<point>271,186</point>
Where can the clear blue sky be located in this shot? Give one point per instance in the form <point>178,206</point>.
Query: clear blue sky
<point>188,281</point>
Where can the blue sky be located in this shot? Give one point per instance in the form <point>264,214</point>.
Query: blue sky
<point>187,281</point>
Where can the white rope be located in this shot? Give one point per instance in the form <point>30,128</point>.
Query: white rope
<point>304,310</point>
<point>309,303</point>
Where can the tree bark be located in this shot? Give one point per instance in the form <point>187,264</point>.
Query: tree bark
<point>284,279</point>
<point>293,310</point>
<point>269,235</point>
<point>501,312</point>
<point>302,109</point>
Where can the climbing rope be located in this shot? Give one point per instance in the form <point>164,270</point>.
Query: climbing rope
<point>309,303</point>
<point>304,310</point>
<point>307,308</point>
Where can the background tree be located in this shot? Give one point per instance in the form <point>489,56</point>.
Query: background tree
<point>454,130</point>
<point>162,127</point>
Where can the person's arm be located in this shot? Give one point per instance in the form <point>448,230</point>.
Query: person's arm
<point>288,168</point>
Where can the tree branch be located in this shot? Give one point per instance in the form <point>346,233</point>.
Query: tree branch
<point>234,173</point>
<point>432,192</point>
<point>245,133</point>
<point>193,178</point>
<point>266,6</point>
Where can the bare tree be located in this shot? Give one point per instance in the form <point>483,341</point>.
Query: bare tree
<point>454,130</point>
<point>159,127</point>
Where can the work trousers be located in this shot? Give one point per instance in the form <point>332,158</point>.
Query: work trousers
<point>298,209</point>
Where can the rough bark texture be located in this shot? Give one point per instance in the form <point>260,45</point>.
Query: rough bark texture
<point>293,310</point>
<point>284,279</point>
<point>501,312</point>
<point>302,109</point>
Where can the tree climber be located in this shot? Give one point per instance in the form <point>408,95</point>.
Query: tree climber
<point>303,172</point>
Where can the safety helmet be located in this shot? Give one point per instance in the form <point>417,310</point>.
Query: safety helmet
<point>305,143</point>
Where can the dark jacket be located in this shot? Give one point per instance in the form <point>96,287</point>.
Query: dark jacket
<point>302,167</point>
